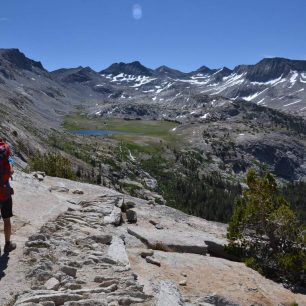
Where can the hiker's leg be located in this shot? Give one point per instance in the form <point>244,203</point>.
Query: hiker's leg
<point>7,213</point>
<point>7,229</point>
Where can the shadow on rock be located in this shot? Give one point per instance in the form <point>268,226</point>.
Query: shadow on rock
<point>3,264</point>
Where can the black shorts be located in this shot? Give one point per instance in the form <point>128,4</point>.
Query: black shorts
<point>6,208</point>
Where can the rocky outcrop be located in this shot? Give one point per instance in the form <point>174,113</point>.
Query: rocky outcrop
<point>76,258</point>
<point>169,295</point>
<point>134,68</point>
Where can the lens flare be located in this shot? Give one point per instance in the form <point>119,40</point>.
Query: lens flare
<point>137,11</point>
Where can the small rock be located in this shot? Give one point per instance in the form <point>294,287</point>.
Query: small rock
<point>146,253</point>
<point>73,286</point>
<point>104,239</point>
<point>153,261</point>
<point>69,270</point>
<point>39,175</point>
<point>94,258</point>
<point>183,283</point>
<point>37,244</point>
<point>37,237</point>
<point>88,262</point>
<point>77,191</point>
<point>48,303</point>
<point>59,189</point>
<point>131,216</point>
<point>100,278</point>
<point>86,303</point>
<point>108,283</point>
<point>153,222</point>
<point>74,264</point>
<point>28,251</point>
<point>52,284</point>
<point>184,274</point>
<point>108,260</point>
<point>159,227</point>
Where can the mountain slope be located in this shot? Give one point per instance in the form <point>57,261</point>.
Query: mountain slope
<point>72,251</point>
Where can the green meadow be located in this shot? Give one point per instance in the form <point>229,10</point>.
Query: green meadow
<point>148,131</point>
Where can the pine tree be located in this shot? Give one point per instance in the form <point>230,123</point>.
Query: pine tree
<point>266,233</point>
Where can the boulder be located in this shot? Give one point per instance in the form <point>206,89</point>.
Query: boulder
<point>171,240</point>
<point>128,205</point>
<point>115,217</point>
<point>52,284</point>
<point>131,216</point>
<point>69,271</point>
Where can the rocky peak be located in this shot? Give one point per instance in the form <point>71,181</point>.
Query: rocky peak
<point>221,73</point>
<point>18,60</point>
<point>168,72</point>
<point>271,68</point>
<point>205,70</point>
<point>76,75</point>
<point>134,68</point>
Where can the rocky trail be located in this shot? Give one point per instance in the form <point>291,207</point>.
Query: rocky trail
<point>81,244</point>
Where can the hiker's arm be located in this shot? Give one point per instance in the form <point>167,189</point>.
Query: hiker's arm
<point>11,161</point>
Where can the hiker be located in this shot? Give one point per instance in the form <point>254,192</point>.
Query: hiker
<point>6,203</point>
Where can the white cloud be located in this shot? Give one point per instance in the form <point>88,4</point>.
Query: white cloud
<point>137,11</point>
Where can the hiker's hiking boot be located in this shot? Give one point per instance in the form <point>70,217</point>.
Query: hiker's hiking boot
<point>9,247</point>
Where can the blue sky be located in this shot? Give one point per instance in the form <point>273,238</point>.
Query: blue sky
<point>183,34</point>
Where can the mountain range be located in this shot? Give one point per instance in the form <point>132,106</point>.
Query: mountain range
<point>258,107</point>
<point>273,82</point>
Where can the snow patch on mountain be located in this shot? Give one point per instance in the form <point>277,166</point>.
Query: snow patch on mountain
<point>298,101</point>
<point>271,82</point>
<point>235,79</point>
<point>293,78</point>
<point>255,95</point>
<point>205,116</point>
<point>142,80</point>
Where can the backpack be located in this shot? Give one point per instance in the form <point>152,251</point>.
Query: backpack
<point>5,171</point>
